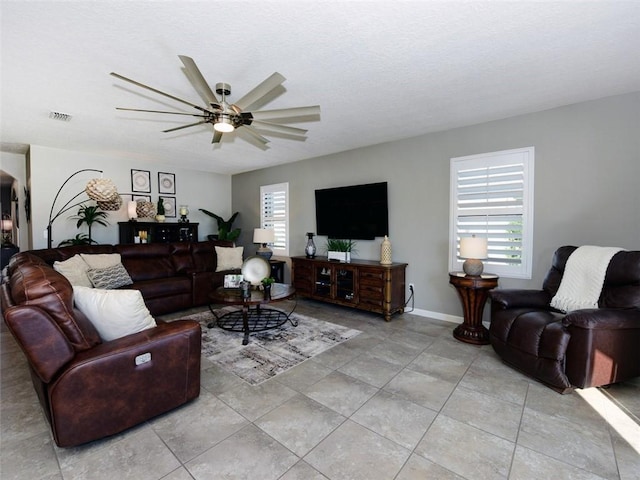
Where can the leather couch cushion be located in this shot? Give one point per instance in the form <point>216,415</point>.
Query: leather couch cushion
<point>147,261</point>
<point>621,284</point>
<point>181,258</point>
<point>39,285</point>
<point>157,288</point>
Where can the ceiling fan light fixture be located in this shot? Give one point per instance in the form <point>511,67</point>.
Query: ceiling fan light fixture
<point>223,124</point>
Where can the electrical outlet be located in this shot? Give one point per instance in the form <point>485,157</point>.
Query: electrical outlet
<point>411,287</point>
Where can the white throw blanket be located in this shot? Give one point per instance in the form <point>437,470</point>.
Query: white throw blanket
<point>583,278</point>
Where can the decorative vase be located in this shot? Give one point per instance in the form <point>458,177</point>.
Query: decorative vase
<point>267,292</point>
<point>145,209</point>
<point>310,249</point>
<point>385,251</point>
<point>160,211</point>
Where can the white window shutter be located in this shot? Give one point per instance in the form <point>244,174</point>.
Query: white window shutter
<point>492,197</point>
<point>274,213</point>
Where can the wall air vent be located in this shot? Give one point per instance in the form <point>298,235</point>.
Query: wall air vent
<point>65,117</point>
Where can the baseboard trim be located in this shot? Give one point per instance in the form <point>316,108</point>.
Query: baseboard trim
<point>436,315</point>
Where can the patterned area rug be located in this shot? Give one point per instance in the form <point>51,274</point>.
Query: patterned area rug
<point>270,352</point>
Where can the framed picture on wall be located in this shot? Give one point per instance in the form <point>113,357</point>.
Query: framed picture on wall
<point>141,198</point>
<point>140,181</point>
<point>169,206</point>
<point>166,182</point>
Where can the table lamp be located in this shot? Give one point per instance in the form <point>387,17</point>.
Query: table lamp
<point>7,228</point>
<point>132,207</point>
<point>473,249</point>
<point>264,236</point>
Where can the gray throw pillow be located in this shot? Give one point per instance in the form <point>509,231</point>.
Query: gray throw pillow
<point>109,277</point>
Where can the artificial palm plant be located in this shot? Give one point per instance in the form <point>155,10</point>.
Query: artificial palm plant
<point>90,214</point>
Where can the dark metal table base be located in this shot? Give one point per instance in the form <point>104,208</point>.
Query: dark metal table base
<point>248,320</point>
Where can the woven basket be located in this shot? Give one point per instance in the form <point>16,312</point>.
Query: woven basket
<point>145,209</point>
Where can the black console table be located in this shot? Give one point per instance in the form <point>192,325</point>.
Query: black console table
<point>157,232</point>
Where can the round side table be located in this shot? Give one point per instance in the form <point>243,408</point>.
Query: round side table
<point>473,292</point>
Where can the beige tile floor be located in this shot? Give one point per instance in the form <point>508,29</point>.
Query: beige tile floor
<point>403,400</point>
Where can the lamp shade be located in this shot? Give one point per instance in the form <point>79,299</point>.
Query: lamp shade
<point>263,235</point>
<point>132,209</point>
<point>101,190</point>
<point>473,247</point>
<point>7,224</point>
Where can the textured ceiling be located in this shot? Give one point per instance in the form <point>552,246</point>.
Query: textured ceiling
<point>380,71</point>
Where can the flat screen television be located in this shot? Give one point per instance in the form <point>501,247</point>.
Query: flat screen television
<point>357,212</point>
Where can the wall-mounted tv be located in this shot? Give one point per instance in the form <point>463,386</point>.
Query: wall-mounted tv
<point>357,212</point>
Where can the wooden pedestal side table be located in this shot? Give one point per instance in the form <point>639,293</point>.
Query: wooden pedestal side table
<point>473,292</point>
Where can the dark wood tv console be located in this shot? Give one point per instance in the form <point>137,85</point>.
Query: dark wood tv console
<point>362,284</point>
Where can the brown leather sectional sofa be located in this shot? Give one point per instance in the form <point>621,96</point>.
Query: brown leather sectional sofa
<point>88,388</point>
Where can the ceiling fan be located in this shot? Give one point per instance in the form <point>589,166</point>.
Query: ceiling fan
<point>226,117</point>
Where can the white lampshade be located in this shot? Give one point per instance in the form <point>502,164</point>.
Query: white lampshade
<point>7,225</point>
<point>473,247</point>
<point>263,235</point>
<point>101,190</point>
<point>131,209</point>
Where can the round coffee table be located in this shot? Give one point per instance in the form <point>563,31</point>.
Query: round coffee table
<point>254,316</point>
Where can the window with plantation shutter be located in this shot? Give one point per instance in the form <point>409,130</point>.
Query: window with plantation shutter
<point>274,213</point>
<point>492,197</point>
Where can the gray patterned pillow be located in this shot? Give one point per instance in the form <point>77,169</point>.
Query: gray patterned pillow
<point>109,277</point>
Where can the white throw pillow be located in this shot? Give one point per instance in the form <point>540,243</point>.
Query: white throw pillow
<point>114,313</point>
<point>110,277</point>
<point>101,260</point>
<point>75,270</point>
<point>229,258</point>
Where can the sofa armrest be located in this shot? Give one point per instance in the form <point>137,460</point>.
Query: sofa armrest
<point>121,383</point>
<point>40,338</point>
<point>519,298</point>
<point>603,319</point>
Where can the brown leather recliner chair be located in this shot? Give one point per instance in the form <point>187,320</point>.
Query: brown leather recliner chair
<point>582,348</point>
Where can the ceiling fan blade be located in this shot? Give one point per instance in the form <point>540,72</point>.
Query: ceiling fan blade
<point>217,137</point>
<point>255,134</point>
<point>312,111</point>
<point>159,111</point>
<point>250,137</point>
<point>199,83</point>
<point>185,126</point>
<point>117,75</point>
<point>260,91</point>
<point>274,127</point>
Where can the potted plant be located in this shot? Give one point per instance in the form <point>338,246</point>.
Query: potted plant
<point>160,211</point>
<point>90,214</point>
<point>266,285</point>
<point>225,231</point>
<point>79,239</point>
<point>338,249</point>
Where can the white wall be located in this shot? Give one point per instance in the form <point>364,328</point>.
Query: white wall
<point>587,168</point>
<point>50,167</point>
